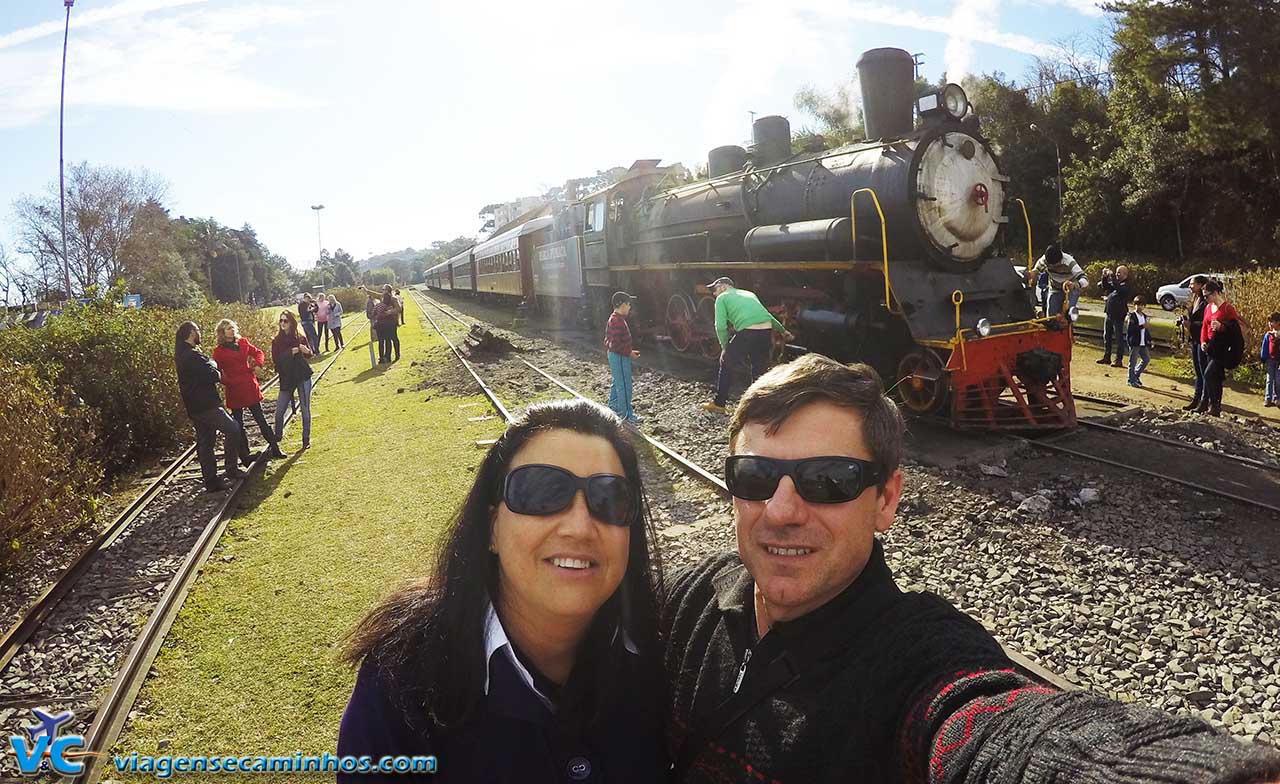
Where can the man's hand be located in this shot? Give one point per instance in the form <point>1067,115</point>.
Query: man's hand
<point>294,350</point>
<point>635,354</point>
<point>788,336</point>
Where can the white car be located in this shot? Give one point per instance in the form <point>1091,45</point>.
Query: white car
<point>1173,295</point>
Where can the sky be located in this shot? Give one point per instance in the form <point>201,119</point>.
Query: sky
<point>405,118</point>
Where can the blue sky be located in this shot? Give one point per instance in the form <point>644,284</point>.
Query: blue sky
<point>404,118</point>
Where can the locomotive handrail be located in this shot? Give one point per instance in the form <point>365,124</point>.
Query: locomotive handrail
<point>957,297</point>
<point>884,241</point>
<point>1023,205</point>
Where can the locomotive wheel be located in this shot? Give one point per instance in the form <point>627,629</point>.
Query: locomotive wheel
<point>922,383</point>
<point>705,321</point>
<point>679,322</point>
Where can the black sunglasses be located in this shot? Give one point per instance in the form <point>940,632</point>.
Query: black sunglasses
<point>819,480</point>
<point>547,489</point>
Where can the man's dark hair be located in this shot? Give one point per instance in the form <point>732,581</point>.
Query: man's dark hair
<point>184,331</point>
<point>783,390</point>
<point>427,639</point>
<point>1274,318</point>
<point>1201,279</point>
<point>1053,254</point>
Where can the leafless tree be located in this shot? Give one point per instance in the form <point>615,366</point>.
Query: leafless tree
<point>102,202</point>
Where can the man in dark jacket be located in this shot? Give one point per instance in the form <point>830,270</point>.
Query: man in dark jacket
<point>1119,291</point>
<point>198,379</point>
<point>798,660</point>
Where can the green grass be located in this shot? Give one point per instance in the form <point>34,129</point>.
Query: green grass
<point>250,665</point>
<point>1163,331</point>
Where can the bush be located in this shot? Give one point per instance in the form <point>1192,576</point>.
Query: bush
<point>1256,296</point>
<point>119,363</point>
<point>50,470</point>
<point>352,300</point>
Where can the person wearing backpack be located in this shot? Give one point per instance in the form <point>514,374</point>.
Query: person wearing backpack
<point>1270,356</point>
<point>1222,341</point>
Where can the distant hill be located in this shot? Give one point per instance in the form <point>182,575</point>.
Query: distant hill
<point>406,257</point>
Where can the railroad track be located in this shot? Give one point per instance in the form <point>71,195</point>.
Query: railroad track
<point>1231,477</point>
<point>1024,664</point>
<point>171,502</point>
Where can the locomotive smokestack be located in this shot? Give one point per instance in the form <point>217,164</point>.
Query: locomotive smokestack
<point>772,140</point>
<point>887,77</point>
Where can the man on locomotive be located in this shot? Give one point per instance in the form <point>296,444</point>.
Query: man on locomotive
<point>751,341</point>
<point>1062,269</point>
<point>797,659</point>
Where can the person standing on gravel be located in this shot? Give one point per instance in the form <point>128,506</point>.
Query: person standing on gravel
<point>798,659</point>
<point>198,379</point>
<point>752,341</point>
<point>1194,325</point>
<point>1115,309</point>
<point>236,357</point>
<point>617,344</point>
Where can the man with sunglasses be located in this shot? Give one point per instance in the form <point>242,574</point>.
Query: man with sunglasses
<point>797,659</point>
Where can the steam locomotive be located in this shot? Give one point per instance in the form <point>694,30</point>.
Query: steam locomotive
<point>877,251</point>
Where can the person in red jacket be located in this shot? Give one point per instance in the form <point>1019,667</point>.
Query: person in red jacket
<point>236,358</point>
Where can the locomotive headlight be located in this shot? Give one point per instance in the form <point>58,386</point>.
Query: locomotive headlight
<point>955,100</point>
<point>983,328</point>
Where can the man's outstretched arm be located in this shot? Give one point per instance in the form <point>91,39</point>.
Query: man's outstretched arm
<point>997,727</point>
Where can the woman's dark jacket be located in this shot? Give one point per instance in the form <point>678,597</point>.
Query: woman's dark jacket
<point>513,737</point>
<point>293,368</point>
<point>198,379</point>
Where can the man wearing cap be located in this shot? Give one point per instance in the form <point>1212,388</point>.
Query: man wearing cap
<point>617,342</point>
<point>751,341</point>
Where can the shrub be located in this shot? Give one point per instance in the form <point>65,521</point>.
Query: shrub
<point>1256,296</point>
<point>50,473</point>
<point>119,363</point>
<point>352,300</point>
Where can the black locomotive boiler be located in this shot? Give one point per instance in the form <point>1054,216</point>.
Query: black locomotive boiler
<point>878,251</point>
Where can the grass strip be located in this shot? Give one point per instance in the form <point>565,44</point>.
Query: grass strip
<point>250,664</point>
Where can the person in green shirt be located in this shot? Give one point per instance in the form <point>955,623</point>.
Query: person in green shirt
<point>751,341</point>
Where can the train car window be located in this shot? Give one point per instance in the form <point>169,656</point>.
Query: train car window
<point>595,216</point>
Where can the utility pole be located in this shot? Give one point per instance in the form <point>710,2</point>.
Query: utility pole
<point>1057,152</point>
<point>319,244</point>
<point>62,188</point>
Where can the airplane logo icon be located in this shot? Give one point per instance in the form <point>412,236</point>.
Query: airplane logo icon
<point>48,724</point>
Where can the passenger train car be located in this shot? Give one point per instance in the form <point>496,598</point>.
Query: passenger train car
<point>878,251</point>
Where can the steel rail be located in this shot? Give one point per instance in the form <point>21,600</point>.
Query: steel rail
<point>1019,660</point>
<point>1203,488</point>
<point>488,393</point>
<point>1181,445</point>
<point>113,712</point>
<point>52,596</point>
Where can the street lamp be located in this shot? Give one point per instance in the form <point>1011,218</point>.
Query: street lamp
<point>62,189</point>
<point>319,245</point>
<point>1057,152</point>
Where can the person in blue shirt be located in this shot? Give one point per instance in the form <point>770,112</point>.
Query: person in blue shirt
<point>532,652</point>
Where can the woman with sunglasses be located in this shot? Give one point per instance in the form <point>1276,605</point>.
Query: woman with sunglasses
<point>531,654</point>
<point>289,352</point>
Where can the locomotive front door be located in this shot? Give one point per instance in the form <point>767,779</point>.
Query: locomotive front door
<point>595,266</point>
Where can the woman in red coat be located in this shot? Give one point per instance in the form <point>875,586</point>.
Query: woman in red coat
<point>236,358</point>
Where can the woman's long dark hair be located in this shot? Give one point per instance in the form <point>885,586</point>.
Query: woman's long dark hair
<point>427,639</point>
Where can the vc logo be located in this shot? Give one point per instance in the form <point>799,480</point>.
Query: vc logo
<point>45,742</point>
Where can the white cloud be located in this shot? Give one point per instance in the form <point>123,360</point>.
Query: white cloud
<point>84,19</point>
<point>1085,7</point>
<point>128,56</point>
